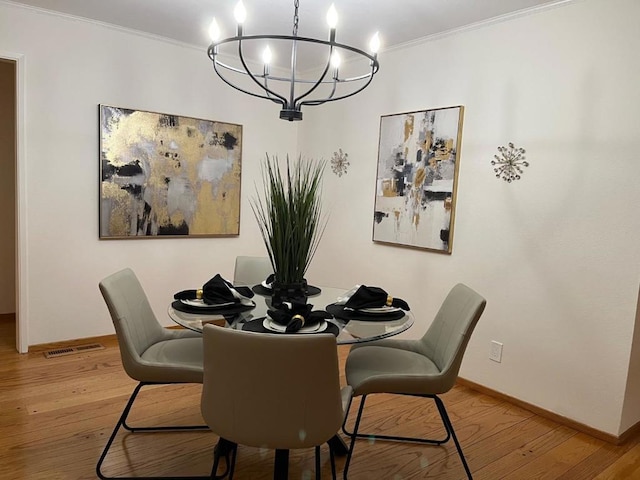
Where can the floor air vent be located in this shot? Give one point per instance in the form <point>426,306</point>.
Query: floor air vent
<point>59,352</point>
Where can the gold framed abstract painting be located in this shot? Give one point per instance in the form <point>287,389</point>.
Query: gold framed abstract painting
<point>416,185</point>
<point>165,175</point>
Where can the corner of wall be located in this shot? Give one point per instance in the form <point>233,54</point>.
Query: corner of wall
<point>630,417</point>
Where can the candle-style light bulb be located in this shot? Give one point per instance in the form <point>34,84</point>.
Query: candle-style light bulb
<point>335,60</point>
<point>332,17</point>
<point>240,13</point>
<point>374,43</point>
<point>267,55</point>
<point>266,58</point>
<point>335,63</point>
<point>214,31</point>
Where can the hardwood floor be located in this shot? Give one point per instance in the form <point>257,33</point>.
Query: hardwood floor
<point>56,415</point>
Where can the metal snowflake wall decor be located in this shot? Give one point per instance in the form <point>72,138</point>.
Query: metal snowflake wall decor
<point>509,163</point>
<point>339,162</point>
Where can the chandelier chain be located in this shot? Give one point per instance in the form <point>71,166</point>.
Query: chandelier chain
<point>296,20</point>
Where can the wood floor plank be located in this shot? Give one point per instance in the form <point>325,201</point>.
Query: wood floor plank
<point>471,424</point>
<point>527,451</point>
<point>558,459</point>
<point>625,467</point>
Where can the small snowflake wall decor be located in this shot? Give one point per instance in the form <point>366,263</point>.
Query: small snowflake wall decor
<point>339,162</point>
<point>509,163</point>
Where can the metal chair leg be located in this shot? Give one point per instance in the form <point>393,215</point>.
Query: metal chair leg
<point>449,426</point>
<point>318,471</point>
<point>332,457</point>
<point>427,441</point>
<point>232,468</point>
<point>446,421</point>
<point>281,465</point>
<point>354,435</point>
<point>227,450</point>
<point>122,423</point>
<point>318,463</point>
<point>159,428</point>
<point>216,462</point>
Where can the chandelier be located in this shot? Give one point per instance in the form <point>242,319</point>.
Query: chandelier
<point>290,91</point>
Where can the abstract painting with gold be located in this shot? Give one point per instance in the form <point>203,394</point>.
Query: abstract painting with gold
<point>165,175</point>
<point>418,158</point>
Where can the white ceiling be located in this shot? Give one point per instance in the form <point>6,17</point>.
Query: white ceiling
<point>398,21</point>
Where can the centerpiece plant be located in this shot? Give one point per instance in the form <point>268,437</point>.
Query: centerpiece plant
<point>289,215</point>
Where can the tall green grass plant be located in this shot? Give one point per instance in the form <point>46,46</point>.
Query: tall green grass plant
<point>289,214</point>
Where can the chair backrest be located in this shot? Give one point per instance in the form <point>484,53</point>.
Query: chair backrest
<point>446,339</point>
<point>275,391</point>
<point>251,270</point>
<point>136,325</point>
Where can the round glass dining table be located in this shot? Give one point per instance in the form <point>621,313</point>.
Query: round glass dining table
<point>349,331</point>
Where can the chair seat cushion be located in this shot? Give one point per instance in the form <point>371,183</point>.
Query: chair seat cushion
<point>380,369</point>
<point>173,361</point>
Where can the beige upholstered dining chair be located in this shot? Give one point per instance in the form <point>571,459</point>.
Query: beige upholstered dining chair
<point>251,270</point>
<point>273,391</point>
<point>150,353</point>
<point>426,367</point>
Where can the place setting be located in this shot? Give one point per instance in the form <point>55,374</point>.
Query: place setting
<point>367,303</point>
<point>293,317</point>
<point>217,296</point>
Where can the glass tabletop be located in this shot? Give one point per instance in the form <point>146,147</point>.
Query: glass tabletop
<point>352,331</point>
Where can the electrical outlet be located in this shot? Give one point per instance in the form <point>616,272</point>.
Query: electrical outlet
<point>496,351</point>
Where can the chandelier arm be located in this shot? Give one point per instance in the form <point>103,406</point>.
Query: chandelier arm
<point>263,76</point>
<point>215,67</point>
<point>320,102</point>
<point>298,105</point>
<point>330,96</point>
<point>318,82</point>
<point>266,79</point>
<point>253,77</point>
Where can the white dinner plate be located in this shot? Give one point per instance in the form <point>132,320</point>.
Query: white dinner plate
<point>274,327</point>
<point>381,310</point>
<point>200,303</point>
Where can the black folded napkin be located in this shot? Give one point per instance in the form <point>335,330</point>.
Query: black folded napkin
<point>372,297</point>
<point>295,315</point>
<point>217,291</point>
<point>348,314</point>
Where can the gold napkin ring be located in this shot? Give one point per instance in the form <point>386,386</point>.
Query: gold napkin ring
<point>199,294</point>
<point>298,317</point>
<point>389,300</point>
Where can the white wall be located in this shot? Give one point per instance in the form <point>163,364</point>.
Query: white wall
<point>557,253</point>
<point>7,187</point>
<point>71,66</point>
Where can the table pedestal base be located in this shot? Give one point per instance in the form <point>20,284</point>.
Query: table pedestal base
<point>227,450</point>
